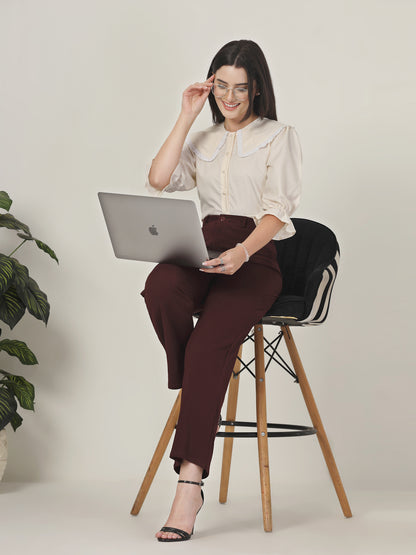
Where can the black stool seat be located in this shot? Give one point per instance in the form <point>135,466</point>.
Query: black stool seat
<point>288,309</point>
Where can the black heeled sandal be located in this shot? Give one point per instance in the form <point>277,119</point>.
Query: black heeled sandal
<point>184,536</point>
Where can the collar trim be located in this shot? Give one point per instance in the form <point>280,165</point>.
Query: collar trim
<point>258,134</point>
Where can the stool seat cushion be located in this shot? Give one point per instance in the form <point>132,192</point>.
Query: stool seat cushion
<point>288,305</point>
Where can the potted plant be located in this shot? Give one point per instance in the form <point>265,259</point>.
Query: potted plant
<point>18,292</point>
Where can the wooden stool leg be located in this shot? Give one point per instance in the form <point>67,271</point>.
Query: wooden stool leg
<point>228,441</point>
<point>316,421</point>
<point>157,456</point>
<point>262,439</point>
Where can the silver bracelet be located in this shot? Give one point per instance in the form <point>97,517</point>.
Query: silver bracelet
<point>245,250</point>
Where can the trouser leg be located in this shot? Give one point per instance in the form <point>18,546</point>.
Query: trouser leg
<point>172,295</point>
<point>233,305</point>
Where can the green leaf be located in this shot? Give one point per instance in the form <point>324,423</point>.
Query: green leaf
<point>29,293</point>
<point>26,236</point>
<point>5,201</point>
<point>43,246</point>
<point>16,421</point>
<point>8,407</point>
<point>12,308</point>
<point>46,249</point>
<point>9,221</point>
<point>6,273</point>
<point>18,349</point>
<point>36,301</point>
<point>21,278</point>
<point>20,388</point>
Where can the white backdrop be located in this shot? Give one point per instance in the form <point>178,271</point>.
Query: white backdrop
<point>89,91</point>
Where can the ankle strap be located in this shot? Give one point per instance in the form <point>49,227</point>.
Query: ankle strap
<point>201,483</point>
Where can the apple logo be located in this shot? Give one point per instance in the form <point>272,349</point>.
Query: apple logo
<point>153,230</point>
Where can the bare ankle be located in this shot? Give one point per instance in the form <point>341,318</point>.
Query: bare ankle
<point>190,471</point>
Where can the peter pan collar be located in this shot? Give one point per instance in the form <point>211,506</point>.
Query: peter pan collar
<point>256,135</point>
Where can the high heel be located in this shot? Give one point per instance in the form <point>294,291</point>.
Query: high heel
<point>184,536</point>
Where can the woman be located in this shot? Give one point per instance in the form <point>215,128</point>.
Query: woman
<point>246,168</point>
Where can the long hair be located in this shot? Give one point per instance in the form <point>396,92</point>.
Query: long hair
<point>248,55</point>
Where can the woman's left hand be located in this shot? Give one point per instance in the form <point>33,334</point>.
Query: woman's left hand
<point>227,262</point>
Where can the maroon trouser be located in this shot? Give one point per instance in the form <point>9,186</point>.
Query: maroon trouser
<point>201,358</point>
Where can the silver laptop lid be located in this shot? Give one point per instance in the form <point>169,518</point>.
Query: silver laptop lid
<point>154,229</point>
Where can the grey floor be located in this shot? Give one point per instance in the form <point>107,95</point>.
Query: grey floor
<point>94,518</point>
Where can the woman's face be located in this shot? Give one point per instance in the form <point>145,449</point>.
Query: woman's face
<point>235,78</point>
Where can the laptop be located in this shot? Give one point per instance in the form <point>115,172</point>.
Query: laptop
<point>155,229</point>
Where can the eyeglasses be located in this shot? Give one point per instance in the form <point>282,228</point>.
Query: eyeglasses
<point>219,91</point>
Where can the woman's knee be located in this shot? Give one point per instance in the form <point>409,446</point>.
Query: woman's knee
<point>210,348</point>
<point>164,282</point>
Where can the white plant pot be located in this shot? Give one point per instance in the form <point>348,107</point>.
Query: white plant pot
<point>3,452</point>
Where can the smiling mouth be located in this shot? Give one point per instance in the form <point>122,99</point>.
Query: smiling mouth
<point>230,106</point>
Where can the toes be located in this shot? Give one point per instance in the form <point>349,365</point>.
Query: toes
<point>166,535</point>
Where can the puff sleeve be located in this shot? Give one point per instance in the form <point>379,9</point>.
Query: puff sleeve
<point>183,177</point>
<point>282,189</point>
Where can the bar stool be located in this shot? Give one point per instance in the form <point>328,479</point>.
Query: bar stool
<point>309,265</point>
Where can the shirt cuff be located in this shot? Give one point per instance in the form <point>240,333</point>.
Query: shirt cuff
<point>152,190</point>
<point>288,229</point>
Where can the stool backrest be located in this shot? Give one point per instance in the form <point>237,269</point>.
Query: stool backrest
<point>309,264</point>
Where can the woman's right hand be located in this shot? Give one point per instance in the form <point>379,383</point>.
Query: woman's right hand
<point>194,97</point>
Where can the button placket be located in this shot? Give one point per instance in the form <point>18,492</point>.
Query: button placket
<point>225,186</point>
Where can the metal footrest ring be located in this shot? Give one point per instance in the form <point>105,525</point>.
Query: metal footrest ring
<point>293,429</point>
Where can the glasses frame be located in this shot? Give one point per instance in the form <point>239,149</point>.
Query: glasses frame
<point>232,89</point>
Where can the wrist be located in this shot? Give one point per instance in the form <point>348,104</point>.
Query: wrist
<point>186,119</point>
<point>247,256</point>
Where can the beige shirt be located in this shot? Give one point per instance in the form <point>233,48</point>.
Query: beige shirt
<point>251,172</point>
